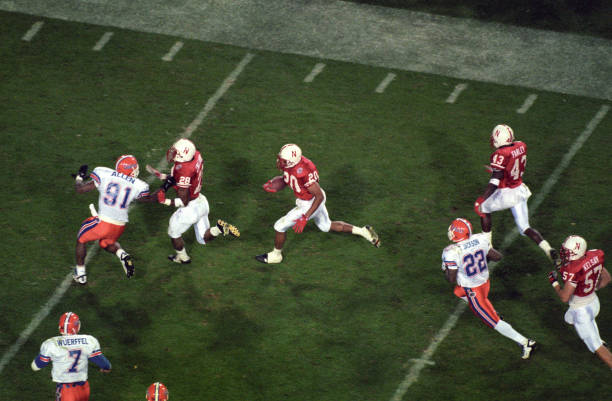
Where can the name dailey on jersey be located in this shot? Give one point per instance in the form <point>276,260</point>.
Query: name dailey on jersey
<point>125,177</point>
<point>64,342</point>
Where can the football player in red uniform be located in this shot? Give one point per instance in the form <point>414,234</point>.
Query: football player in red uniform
<point>582,273</point>
<point>506,189</point>
<point>192,206</point>
<point>302,176</point>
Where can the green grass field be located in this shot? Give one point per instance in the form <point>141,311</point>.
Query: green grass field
<point>338,319</point>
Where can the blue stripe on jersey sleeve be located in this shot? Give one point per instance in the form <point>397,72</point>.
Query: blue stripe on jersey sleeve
<point>101,361</point>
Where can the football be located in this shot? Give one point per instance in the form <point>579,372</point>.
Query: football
<point>274,184</point>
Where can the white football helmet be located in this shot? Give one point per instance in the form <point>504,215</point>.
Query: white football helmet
<point>501,135</point>
<point>183,150</point>
<point>289,156</point>
<point>574,247</point>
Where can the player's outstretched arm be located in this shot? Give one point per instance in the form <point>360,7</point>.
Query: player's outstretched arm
<point>156,172</point>
<point>604,279</point>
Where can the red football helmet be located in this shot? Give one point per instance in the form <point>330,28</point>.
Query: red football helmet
<point>181,151</point>
<point>574,247</point>
<point>157,392</point>
<point>69,324</point>
<point>459,230</point>
<point>289,156</point>
<point>128,165</point>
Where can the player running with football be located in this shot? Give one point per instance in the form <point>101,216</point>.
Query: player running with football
<point>465,264</point>
<point>506,189</point>
<point>118,188</point>
<point>582,273</point>
<point>69,355</point>
<point>192,207</point>
<point>302,176</point>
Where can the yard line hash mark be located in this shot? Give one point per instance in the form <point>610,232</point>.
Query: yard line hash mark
<point>385,82</point>
<point>65,284</point>
<point>527,104</point>
<point>103,41</point>
<point>315,71</point>
<point>32,31</point>
<point>173,50</point>
<point>450,323</point>
<point>452,98</point>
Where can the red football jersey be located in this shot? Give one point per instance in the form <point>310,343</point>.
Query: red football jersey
<point>511,160</point>
<point>300,177</point>
<point>189,175</point>
<point>584,272</point>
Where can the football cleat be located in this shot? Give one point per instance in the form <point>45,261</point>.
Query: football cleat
<point>529,348</point>
<point>501,135</point>
<point>573,248</point>
<point>289,156</point>
<point>269,258</point>
<point>69,323</point>
<point>177,259</point>
<point>555,258</point>
<point>79,278</point>
<point>372,236</point>
<point>128,165</point>
<point>128,265</point>
<point>227,228</point>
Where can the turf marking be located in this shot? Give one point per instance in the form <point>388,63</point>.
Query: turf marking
<point>315,71</point>
<point>32,31</point>
<point>173,50</point>
<point>458,89</point>
<point>43,312</point>
<point>103,41</point>
<point>425,359</point>
<point>65,284</point>
<point>385,82</point>
<point>529,101</point>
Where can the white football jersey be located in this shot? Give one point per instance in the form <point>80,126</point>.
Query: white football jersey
<point>117,191</point>
<point>469,257</point>
<point>70,356</point>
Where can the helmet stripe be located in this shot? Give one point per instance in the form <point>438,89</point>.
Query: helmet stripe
<point>67,322</point>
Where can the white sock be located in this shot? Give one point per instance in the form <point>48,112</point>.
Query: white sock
<point>506,330</point>
<point>120,252</point>
<point>80,270</point>
<point>545,246</point>
<point>359,231</point>
<point>277,251</point>
<point>214,230</point>
<point>182,253</point>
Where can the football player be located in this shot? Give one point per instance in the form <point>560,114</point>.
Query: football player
<point>69,355</point>
<point>465,264</point>
<point>302,176</point>
<point>117,188</point>
<point>582,273</point>
<point>157,392</point>
<point>191,205</point>
<point>506,189</point>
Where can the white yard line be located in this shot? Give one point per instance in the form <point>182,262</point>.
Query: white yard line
<point>425,359</point>
<point>103,41</point>
<point>527,104</point>
<point>33,31</point>
<point>452,98</point>
<point>65,284</point>
<point>315,71</point>
<point>173,50</point>
<point>385,82</point>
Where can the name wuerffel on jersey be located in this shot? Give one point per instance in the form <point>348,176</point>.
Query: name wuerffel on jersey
<point>518,151</point>
<point>64,342</point>
<point>125,177</point>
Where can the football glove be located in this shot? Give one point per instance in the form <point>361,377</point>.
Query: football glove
<point>268,187</point>
<point>168,182</point>
<point>300,223</point>
<point>477,206</point>
<point>82,173</point>
<point>552,277</point>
